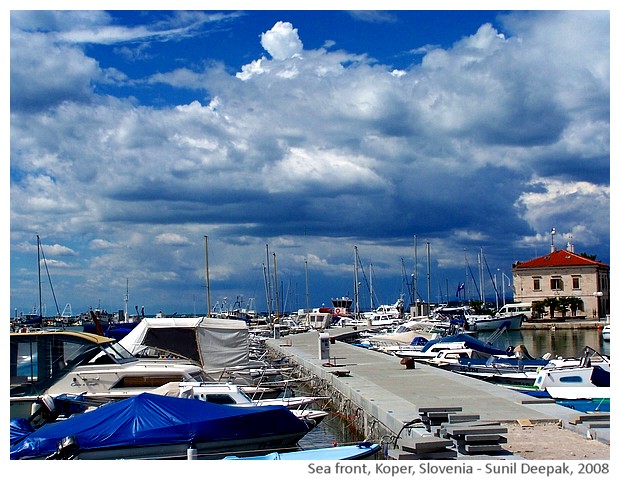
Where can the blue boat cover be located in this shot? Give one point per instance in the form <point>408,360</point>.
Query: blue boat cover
<point>20,428</point>
<point>149,419</point>
<point>470,342</point>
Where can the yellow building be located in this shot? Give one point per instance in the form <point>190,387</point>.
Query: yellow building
<point>563,273</point>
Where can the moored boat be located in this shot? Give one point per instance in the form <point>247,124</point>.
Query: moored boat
<point>582,383</point>
<point>231,394</point>
<point>451,342</point>
<point>149,426</point>
<point>490,322</point>
<point>66,362</point>
<point>358,451</point>
<point>605,332</point>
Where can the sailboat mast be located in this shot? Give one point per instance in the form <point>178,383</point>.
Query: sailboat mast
<point>39,272</point>
<point>268,285</point>
<point>356,285</point>
<point>415,269</point>
<point>482,292</point>
<point>127,302</point>
<point>428,275</point>
<point>207,276</point>
<point>275,286</point>
<point>266,291</point>
<point>307,292</point>
<point>372,292</point>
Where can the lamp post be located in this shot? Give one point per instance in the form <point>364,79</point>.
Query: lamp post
<point>598,296</point>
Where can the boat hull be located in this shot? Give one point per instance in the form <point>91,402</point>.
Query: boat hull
<point>606,333</point>
<point>493,323</point>
<point>344,452</point>
<point>199,450</point>
<point>150,426</point>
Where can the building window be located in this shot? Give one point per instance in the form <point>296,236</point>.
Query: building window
<point>536,283</point>
<point>556,284</point>
<point>576,283</point>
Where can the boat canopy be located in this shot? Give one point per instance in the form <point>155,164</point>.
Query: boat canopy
<point>149,419</point>
<point>469,342</point>
<point>215,343</point>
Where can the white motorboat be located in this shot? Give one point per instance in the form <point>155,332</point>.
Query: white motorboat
<point>386,314</point>
<point>78,363</point>
<point>605,332</point>
<point>231,394</point>
<point>458,341</point>
<point>490,322</point>
<point>586,377</point>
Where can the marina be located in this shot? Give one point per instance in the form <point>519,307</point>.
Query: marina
<point>349,394</point>
<point>382,396</point>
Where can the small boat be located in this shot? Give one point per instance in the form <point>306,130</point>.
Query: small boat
<point>149,426</point>
<point>359,451</point>
<point>489,322</point>
<point>476,322</point>
<point>605,332</point>
<point>79,363</point>
<point>386,314</point>
<point>231,394</point>
<point>578,378</point>
<point>518,368</point>
<point>458,341</point>
<point>585,379</point>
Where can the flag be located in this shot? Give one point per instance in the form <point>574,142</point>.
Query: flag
<point>460,288</point>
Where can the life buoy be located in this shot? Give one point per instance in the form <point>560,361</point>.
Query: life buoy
<point>337,311</point>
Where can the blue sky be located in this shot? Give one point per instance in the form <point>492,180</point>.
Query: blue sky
<point>304,134</point>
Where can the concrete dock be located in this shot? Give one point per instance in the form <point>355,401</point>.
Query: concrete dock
<point>390,395</point>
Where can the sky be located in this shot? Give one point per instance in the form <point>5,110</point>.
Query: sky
<point>267,147</point>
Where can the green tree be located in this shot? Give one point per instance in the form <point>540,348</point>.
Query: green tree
<point>573,304</point>
<point>563,305</point>
<point>553,304</point>
<point>538,309</point>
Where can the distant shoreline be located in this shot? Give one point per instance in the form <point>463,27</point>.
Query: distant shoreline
<point>566,324</point>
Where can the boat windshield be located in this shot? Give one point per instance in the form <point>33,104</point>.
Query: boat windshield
<point>119,353</point>
<point>39,360</point>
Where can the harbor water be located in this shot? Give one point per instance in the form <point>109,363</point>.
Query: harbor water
<point>332,430</point>
<point>558,342</point>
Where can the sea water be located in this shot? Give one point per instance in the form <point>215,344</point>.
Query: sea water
<point>561,342</point>
<point>330,431</point>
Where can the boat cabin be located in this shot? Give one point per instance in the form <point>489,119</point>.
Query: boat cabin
<point>74,363</point>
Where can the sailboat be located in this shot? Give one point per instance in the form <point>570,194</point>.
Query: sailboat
<point>36,319</point>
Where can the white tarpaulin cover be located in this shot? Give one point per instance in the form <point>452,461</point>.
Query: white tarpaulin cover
<point>214,342</point>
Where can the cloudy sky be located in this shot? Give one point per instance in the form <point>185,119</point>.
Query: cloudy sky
<point>291,138</point>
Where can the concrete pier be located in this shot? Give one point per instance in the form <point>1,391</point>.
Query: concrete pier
<point>381,395</point>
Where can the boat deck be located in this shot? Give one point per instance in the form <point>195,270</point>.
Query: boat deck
<point>394,394</point>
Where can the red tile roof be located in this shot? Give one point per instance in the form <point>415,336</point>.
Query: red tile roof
<point>559,258</point>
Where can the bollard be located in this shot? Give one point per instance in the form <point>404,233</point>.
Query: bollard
<point>409,363</point>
